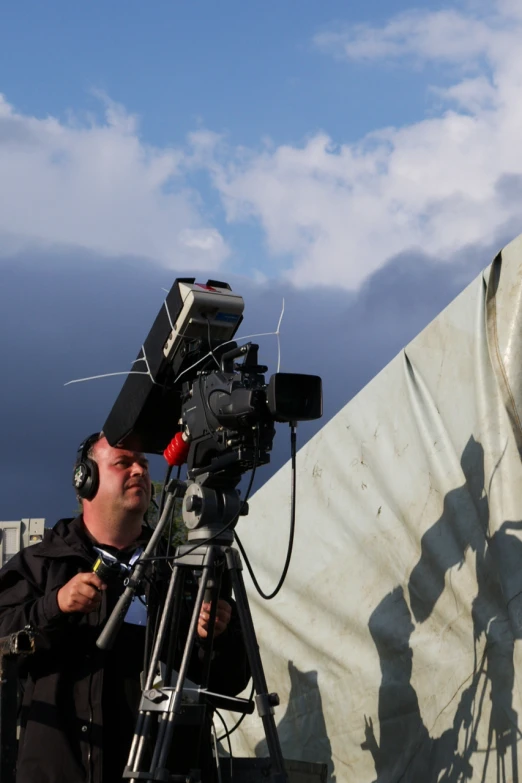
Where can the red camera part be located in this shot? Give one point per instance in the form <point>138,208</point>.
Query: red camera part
<point>177,451</point>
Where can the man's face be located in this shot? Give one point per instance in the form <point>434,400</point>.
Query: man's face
<point>124,478</point>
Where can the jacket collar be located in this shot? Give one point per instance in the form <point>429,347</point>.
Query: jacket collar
<point>69,538</point>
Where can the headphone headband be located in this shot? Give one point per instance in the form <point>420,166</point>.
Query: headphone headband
<point>85,445</point>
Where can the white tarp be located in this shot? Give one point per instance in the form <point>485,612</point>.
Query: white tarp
<point>394,644</point>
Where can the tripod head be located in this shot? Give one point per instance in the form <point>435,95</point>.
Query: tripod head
<point>209,511</point>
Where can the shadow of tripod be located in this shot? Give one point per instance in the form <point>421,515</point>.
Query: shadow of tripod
<point>407,751</point>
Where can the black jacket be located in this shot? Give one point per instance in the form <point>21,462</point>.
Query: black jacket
<point>65,700</point>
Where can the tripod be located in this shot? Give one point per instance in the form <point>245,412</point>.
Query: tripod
<point>206,511</point>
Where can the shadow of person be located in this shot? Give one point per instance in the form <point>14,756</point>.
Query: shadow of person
<point>405,750</point>
<point>451,758</point>
<point>404,744</point>
<point>303,724</point>
<point>506,550</point>
<point>505,556</point>
<point>462,524</point>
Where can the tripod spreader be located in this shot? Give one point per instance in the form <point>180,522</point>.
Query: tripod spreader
<point>161,700</point>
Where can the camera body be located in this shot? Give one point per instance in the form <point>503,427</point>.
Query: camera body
<point>226,418</point>
<point>191,377</point>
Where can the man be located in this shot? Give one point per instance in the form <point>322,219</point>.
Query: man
<point>80,703</point>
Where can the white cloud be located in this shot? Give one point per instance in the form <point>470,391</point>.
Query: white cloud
<point>331,212</point>
<point>446,35</point>
<point>340,212</point>
<point>96,185</point>
<point>510,8</point>
<point>470,94</point>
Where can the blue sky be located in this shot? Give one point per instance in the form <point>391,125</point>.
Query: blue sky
<point>248,69</point>
<point>257,114</point>
<point>371,150</point>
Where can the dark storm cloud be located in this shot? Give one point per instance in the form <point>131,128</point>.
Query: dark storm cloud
<point>64,319</point>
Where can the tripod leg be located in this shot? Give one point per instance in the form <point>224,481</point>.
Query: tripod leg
<point>163,627</point>
<point>145,719</point>
<point>264,706</point>
<point>169,663</point>
<point>208,565</point>
<point>172,642</point>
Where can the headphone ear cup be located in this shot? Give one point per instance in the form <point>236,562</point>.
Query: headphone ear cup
<point>86,479</point>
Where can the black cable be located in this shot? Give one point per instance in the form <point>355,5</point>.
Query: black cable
<point>151,583</point>
<point>292,528</point>
<point>229,732</point>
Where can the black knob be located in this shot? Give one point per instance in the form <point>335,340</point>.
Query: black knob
<point>194,503</point>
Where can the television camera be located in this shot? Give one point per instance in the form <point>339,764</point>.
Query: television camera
<point>199,397</point>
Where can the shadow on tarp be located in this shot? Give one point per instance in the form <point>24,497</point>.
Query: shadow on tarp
<point>304,720</point>
<point>406,751</point>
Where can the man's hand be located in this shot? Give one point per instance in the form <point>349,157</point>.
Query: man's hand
<point>82,593</point>
<point>223,615</point>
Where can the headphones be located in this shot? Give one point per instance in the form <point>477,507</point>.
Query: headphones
<point>85,474</point>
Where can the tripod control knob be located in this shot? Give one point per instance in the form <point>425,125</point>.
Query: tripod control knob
<point>265,703</point>
<point>194,503</point>
<point>155,695</point>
